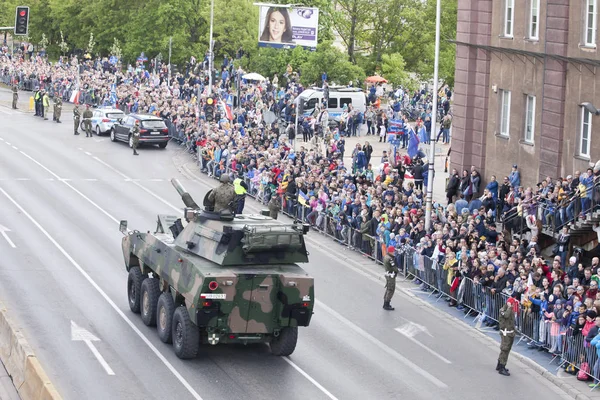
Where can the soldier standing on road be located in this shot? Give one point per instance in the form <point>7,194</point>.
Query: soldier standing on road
<point>135,137</point>
<point>391,270</point>
<point>87,120</point>
<point>15,92</point>
<point>45,104</point>
<point>223,196</point>
<point>274,206</point>
<point>57,108</point>
<point>506,321</point>
<point>76,118</point>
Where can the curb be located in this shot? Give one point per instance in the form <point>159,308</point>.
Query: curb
<point>22,365</point>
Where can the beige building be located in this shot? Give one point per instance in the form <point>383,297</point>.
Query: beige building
<point>523,70</point>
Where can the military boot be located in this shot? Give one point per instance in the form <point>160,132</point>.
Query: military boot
<point>387,306</point>
<point>135,153</point>
<point>503,371</point>
<point>499,365</point>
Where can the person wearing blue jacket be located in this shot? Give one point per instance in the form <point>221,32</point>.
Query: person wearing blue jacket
<point>596,344</point>
<point>515,177</point>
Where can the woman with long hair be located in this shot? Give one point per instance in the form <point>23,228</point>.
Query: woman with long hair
<point>277,27</point>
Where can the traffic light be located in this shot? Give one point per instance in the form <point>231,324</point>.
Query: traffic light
<point>22,20</point>
<point>209,109</point>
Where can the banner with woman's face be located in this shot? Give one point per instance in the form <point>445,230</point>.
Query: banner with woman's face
<point>288,27</point>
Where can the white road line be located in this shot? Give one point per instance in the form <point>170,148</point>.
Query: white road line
<point>71,187</point>
<point>8,143</point>
<point>23,179</point>
<point>307,376</point>
<point>156,180</point>
<point>15,147</point>
<point>134,181</point>
<point>1,139</point>
<point>91,179</point>
<point>5,112</point>
<point>106,297</point>
<point>88,153</point>
<point>412,366</point>
<point>415,341</point>
<point>99,357</point>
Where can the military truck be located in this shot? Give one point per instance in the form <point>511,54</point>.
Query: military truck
<point>219,278</point>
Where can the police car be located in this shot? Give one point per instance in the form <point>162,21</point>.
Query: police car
<point>103,120</point>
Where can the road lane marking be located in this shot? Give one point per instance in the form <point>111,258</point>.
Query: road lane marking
<point>411,365</point>
<point>88,153</point>
<point>410,330</point>
<point>91,179</point>
<point>15,147</point>
<point>162,358</point>
<point>307,376</point>
<point>23,179</point>
<point>3,231</point>
<point>8,143</point>
<point>80,334</point>
<point>71,187</point>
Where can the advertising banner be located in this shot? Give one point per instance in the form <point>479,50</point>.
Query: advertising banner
<point>288,27</point>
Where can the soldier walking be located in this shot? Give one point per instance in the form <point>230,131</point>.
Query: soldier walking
<point>391,271</point>
<point>76,118</point>
<point>15,92</point>
<point>223,196</point>
<point>135,137</point>
<point>57,109</point>
<point>506,321</point>
<point>87,120</point>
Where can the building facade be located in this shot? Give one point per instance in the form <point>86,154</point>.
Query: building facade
<point>523,70</point>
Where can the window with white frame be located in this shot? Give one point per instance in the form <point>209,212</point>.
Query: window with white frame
<point>509,15</point>
<point>590,23</point>
<point>529,118</point>
<point>585,134</point>
<point>534,19</point>
<point>504,112</point>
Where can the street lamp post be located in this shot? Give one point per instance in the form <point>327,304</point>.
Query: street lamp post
<point>210,46</point>
<point>430,175</point>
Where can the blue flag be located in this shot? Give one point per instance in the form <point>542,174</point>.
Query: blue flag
<point>302,198</point>
<point>413,143</point>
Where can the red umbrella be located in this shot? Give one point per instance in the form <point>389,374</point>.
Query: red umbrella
<point>376,79</point>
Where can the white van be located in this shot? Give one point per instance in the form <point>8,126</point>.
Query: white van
<point>338,97</point>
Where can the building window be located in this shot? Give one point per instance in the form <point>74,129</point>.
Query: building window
<point>585,133</point>
<point>504,112</point>
<point>590,23</point>
<point>534,18</point>
<point>529,119</point>
<point>509,14</point>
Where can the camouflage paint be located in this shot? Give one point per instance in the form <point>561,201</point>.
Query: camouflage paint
<point>261,281</point>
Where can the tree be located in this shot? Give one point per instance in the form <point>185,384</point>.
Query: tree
<point>331,60</point>
<point>63,46</point>
<point>349,19</point>
<point>116,50</point>
<point>393,69</point>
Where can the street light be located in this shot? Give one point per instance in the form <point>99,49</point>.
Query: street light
<point>590,107</point>
<point>430,175</point>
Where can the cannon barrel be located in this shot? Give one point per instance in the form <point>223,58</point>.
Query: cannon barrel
<point>185,196</point>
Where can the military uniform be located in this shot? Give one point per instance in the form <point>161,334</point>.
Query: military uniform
<point>223,196</point>
<point>76,119</point>
<point>57,109</point>
<point>15,92</point>
<point>391,271</point>
<point>135,138</point>
<point>87,121</point>
<point>274,206</point>
<point>506,321</point>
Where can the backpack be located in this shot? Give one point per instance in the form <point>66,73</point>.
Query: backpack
<point>571,369</point>
<point>584,370</point>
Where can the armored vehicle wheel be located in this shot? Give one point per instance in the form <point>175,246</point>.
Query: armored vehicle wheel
<point>134,287</point>
<point>148,300</point>
<point>186,336</point>
<point>285,343</point>
<point>164,317</point>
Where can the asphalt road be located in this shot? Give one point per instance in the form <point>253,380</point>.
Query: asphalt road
<point>62,196</point>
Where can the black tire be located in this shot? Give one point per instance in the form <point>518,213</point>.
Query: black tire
<point>186,335</point>
<point>134,287</point>
<point>98,133</point>
<point>163,145</point>
<point>164,317</point>
<point>284,344</point>
<point>149,300</point>
<point>113,137</point>
<point>130,141</point>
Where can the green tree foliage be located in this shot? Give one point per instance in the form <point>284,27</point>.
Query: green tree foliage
<point>393,69</point>
<point>331,60</point>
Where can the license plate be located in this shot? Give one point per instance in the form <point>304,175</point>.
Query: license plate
<point>155,133</point>
<point>213,296</point>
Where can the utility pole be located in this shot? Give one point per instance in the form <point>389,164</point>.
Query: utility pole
<point>430,176</point>
<point>169,74</point>
<point>210,51</point>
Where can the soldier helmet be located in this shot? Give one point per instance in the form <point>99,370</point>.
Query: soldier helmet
<point>224,178</point>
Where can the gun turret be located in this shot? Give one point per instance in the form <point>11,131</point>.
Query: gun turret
<point>185,196</point>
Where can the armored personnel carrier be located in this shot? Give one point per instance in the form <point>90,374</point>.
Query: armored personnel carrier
<point>218,278</point>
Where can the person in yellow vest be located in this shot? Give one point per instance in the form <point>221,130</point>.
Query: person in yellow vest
<point>46,104</point>
<point>241,188</point>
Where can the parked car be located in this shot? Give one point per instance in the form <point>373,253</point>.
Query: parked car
<point>153,130</point>
<point>103,120</point>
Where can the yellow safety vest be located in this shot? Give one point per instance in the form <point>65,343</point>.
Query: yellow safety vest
<point>237,186</point>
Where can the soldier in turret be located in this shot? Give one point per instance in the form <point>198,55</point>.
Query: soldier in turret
<point>223,196</point>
